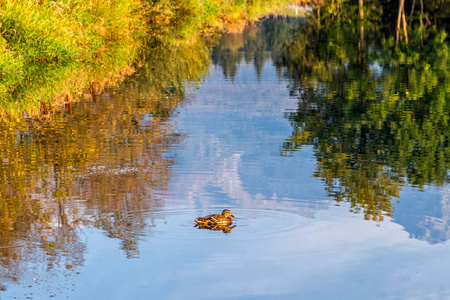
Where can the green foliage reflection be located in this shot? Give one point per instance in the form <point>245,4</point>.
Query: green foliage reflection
<point>377,116</point>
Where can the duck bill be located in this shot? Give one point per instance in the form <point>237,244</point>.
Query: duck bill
<point>232,216</point>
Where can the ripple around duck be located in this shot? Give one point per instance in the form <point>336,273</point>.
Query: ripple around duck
<point>250,223</point>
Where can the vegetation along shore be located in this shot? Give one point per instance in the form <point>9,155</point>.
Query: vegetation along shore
<point>54,51</point>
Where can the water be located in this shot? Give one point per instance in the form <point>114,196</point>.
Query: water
<point>99,203</point>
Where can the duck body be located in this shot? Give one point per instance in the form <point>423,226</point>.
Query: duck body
<point>216,219</point>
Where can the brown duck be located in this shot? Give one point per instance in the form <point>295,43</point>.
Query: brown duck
<point>216,219</point>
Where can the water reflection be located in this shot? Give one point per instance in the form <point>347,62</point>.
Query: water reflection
<point>426,217</point>
<point>141,163</point>
<point>256,45</point>
<point>223,228</point>
<point>376,121</point>
<point>98,165</point>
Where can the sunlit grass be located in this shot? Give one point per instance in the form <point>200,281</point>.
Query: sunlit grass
<point>53,50</point>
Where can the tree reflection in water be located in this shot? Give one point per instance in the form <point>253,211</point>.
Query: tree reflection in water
<point>376,114</point>
<point>377,118</point>
<point>96,165</point>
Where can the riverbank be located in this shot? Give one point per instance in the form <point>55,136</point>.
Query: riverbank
<point>52,52</point>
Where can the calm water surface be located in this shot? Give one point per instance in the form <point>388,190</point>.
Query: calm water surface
<point>99,203</point>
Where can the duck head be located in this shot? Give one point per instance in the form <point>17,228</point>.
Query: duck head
<point>227,213</point>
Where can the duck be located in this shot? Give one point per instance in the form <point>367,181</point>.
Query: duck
<point>216,219</point>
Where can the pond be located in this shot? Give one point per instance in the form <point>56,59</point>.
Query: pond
<point>333,200</point>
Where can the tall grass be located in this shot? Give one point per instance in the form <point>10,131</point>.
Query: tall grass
<point>53,48</point>
<point>48,48</point>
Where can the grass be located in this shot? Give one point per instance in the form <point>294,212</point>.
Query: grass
<point>50,49</point>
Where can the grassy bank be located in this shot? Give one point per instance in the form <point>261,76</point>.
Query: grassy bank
<point>53,50</point>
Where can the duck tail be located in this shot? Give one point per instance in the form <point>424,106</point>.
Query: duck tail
<point>197,221</point>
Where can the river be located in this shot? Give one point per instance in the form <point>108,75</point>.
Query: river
<point>99,201</point>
